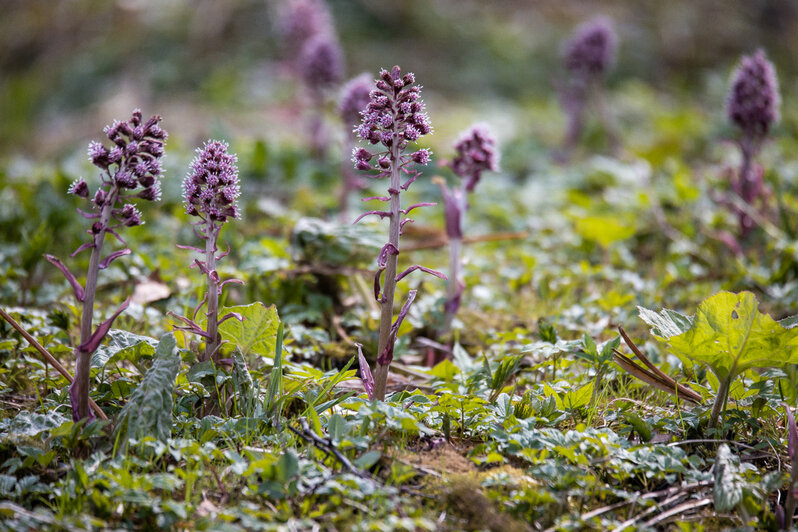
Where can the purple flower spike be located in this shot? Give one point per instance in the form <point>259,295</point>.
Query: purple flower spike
<point>131,162</point>
<point>753,106</point>
<point>355,98</point>
<point>321,62</point>
<point>393,118</point>
<point>301,20</point>
<point>591,50</point>
<point>211,190</point>
<point>754,100</point>
<point>476,153</point>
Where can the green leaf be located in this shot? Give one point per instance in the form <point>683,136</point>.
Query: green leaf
<point>257,334</point>
<point>368,459</point>
<point>789,322</point>
<point>604,229</point>
<point>730,335</point>
<point>641,427</point>
<point>244,386</point>
<point>32,423</point>
<point>729,486</point>
<point>336,428</point>
<point>123,345</point>
<point>666,323</point>
<point>149,411</point>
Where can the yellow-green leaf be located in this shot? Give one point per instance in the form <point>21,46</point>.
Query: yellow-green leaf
<point>256,334</point>
<point>730,335</point>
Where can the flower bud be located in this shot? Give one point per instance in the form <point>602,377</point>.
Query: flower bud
<point>79,188</point>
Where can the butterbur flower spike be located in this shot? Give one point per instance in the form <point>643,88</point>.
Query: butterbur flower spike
<point>591,50</point>
<point>300,20</point>
<point>753,101</point>
<point>393,118</point>
<point>753,106</point>
<point>131,163</point>
<point>475,153</point>
<point>588,55</point>
<point>211,191</point>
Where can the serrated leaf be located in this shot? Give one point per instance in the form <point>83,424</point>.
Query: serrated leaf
<point>666,323</point>
<point>730,335</point>
<point>729,486</point>
<point>789,322</point>
<point>149,411</point>
<point>32,423</point>
<point>256,334</point>
<point>122,345</point>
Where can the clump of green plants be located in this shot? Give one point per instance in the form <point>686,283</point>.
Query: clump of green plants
<point>130,170</point>
<point>211,191</point>
<point>393,119</point>
<point>729,336</point>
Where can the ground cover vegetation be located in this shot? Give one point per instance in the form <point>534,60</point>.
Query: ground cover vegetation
<point>613,344</point>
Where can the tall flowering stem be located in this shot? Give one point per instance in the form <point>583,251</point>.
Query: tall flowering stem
<point>393,118</point>
<point>589,54</point>
<point>211,190</point>
<point>475,154</point>
<point>130,169</point>
<point>753,106</point>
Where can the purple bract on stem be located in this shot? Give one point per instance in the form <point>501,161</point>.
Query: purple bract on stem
<point>393,118</point>
<point>753,106</point>
<point>211,190</point>
<point>131,169</point>
<point>475,154</point>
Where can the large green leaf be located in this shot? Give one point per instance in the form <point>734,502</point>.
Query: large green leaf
<point>123,345</point>
<point>730,335</point>
<point>149,411</point>
<point>256,334</point>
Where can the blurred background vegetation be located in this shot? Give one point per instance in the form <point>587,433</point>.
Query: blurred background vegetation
<point>70,66</point>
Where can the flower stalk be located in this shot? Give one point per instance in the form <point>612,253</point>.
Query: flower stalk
<point>753,106</point>
<point>132,163</point>
<point>211,190</point>
<point>589,54</point>
<point>393,118</point>
<point>475,154</point>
